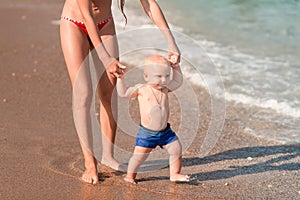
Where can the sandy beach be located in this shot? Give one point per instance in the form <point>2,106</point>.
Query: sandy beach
<point>39,148</point>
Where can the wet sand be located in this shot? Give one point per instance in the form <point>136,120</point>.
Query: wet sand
<point>39,149</point>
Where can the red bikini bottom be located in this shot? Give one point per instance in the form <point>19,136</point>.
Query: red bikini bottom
<point>82,26</point>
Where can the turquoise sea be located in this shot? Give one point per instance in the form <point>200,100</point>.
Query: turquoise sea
<point>255,46</point>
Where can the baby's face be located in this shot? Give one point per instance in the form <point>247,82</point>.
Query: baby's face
<point>158,76</point>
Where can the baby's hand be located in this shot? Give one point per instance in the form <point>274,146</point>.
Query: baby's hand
<point>122,68</point>
<point>175,66</point>
<point>173,54</point>
<point>173,59</point>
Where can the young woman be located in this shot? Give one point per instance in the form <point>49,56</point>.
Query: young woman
<point>87,25</point>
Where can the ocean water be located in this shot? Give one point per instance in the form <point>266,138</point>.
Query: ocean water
<point>255,46</point>
<point>256,43</point>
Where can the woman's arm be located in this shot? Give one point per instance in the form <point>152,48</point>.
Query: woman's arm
<point>85,7</point>
<point>153,10</point>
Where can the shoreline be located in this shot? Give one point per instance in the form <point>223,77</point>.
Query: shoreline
<point>40,152</point>
<point>276,114</point>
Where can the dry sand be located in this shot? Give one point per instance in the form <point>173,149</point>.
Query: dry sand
<point>40,153</point>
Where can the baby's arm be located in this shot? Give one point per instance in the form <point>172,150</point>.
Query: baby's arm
<point>177,78</point>
<point>123,91</point>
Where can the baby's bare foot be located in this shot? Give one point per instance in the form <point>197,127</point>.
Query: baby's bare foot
<point>129,180</point>
<point>180,178</point>
<point>112,163</point>
<point>90,176</point>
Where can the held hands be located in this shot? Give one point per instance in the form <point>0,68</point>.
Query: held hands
<point>123,69</point>
<point>173,58</point>
<point>116,69</point>
<point>173,54</point>
<point>174,64</point>
<point>112,66</point>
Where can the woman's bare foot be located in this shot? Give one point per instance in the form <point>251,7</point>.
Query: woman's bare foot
<point>112,163</point>
<point>129,180</point>
<point>179,178</point>
<point>90,175</point>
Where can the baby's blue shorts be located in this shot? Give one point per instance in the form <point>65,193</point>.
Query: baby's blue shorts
<point>150,139</point>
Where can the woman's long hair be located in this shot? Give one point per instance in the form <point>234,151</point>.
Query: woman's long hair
<point>122,3</point>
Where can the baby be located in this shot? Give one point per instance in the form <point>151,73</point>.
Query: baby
<point>154,111</point>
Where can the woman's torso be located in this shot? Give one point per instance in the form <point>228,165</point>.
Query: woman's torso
<point>101,10</point>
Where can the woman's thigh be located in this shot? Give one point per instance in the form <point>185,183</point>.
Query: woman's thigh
<point>75,47</point>
<point>107,81</point>
<point>109,38</point>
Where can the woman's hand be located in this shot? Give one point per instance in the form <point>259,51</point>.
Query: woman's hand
<point>173,58</point>
<point>111,64</point>
<point>116,69</point>
<point>174,54</point>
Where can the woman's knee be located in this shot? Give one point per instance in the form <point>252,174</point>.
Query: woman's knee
<point>107,96</point>
<point>82,97</point>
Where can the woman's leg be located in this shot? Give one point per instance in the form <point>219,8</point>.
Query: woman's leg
<point>75,48</point>
<point>108,101</point>
<point>108,114</point>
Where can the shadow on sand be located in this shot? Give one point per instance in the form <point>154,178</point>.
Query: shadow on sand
<point>280,159</point>
<point>278,154</point>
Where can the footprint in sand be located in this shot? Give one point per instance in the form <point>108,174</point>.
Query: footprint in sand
<point>71,163</point>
